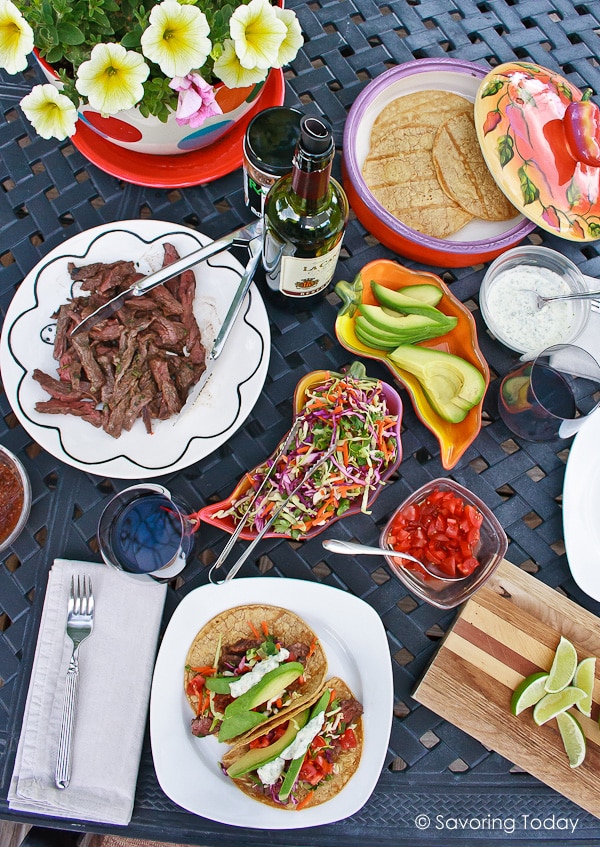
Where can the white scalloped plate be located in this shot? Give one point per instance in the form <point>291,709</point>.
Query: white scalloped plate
<point>224,404</point>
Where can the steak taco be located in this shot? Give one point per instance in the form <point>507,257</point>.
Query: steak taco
<point>306,757</point>
<point>248,666</point>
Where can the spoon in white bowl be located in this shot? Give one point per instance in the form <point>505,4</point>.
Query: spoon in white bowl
<point>352,548</point>
<point>541,301</point>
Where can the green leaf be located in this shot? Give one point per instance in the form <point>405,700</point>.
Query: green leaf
<point>69,33</point>
<point>529,190</point>
<point>54,55</point>
<point>492,88</point>
<point>573,193</point>
<point>594,229</point>
<point>505,149</point>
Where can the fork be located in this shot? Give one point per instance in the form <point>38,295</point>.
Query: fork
<point>80,622</point>
<point>595,305</point>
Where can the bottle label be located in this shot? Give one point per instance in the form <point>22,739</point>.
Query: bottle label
<point>304,277</point>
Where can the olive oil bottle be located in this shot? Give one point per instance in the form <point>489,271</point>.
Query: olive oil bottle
<point>305,216</point>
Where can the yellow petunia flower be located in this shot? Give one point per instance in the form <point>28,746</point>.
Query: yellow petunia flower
<point>231,72</point>
<point>112,78</point>
<point>293,40</point>
<point>176,38</point>
<point>51,113</point>
<point>16,38</point>
<point>257,33</point>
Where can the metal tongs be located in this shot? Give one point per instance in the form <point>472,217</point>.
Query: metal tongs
<point>242,237</point>
<point>276,512</point>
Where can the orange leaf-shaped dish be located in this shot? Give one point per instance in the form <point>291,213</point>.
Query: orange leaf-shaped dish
<point>210,514</point>
<point>454,438</point>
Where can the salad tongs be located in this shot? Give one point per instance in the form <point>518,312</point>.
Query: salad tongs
<point>274,515</point>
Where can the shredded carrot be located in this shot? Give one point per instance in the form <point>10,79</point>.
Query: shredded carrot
<point>279,702</point>
<point>264,627</point>
<point>332,696</point>
<point>312,648</point>
<point>304,803</point>
<point>205,670</point>
<point>254,629</point>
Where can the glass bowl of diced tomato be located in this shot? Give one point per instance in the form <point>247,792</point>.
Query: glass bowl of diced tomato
<point>454,533</point>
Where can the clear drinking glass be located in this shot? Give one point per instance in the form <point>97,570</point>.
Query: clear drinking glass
<point>144,530</point>
<point>550,396</point>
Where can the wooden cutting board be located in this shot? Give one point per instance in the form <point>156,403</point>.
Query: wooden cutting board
<point>509,629</point>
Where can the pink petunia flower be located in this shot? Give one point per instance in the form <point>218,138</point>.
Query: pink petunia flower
<point>196,100</point>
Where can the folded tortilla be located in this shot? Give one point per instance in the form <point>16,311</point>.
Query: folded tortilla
<point>346,761</point>
<point>241,622</point>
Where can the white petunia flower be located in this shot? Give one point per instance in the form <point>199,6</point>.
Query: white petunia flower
<point>293,40</point>
<point>16,38</point>
<point>231,72</point>
<point>112,78</point>
<point>51,113</point>
<point>176,38</point>
<point>257,33</point>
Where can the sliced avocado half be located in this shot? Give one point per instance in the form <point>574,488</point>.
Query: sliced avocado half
<point>272,684</point>
<point>452,385</point>
<point>406,327</point>
<point>259,756</point>
<point>400,302</point>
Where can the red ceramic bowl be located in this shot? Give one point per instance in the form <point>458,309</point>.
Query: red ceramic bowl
<point>477,242</point>
<point>394,403</point>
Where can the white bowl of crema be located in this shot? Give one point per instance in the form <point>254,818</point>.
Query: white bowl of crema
<point>509,308</point>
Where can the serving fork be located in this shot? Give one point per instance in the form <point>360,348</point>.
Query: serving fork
<point>595,305</point>
<point>80,622</point>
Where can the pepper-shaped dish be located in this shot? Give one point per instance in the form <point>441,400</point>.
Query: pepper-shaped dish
<point>213,513</point>
<point>454,438</point>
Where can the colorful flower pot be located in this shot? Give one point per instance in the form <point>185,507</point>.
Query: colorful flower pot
<point>129,129</point>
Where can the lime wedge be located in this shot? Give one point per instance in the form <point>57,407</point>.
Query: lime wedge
<point>573,738</point>
<point>584,679</point>
<point>553,704</point>
<point>563,667</point>
<point>529,692</point>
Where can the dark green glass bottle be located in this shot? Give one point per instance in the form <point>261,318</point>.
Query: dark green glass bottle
<point>305,217</point>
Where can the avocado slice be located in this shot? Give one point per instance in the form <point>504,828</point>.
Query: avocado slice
<point>272,684</point>
<point>259,756</point>
<point>425,292</point>
<point>295,765</point>
<point>408,328</point>
<point>400,302</point>
<point>235,725</point>
<point>219,684</point>
<point>452,385</point>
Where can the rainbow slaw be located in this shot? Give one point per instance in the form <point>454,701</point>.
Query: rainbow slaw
<point>351,413</point>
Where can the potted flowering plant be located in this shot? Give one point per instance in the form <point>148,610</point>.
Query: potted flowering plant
<point>165,60</point>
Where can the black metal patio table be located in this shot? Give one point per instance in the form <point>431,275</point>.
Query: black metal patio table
<point>438,785</point>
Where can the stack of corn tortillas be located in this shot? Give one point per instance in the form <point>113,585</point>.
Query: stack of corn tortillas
<point>425,165</point>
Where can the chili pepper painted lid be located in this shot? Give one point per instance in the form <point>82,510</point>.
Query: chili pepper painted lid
<point>540,137</point>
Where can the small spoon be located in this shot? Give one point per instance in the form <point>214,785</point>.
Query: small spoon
<point>336,545</point>
<point>541,301</point>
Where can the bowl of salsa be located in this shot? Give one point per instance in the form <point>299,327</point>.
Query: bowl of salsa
<point>454,532</point>
<point>15,498</point>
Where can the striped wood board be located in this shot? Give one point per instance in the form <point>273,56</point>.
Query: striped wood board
<point>507,630</point>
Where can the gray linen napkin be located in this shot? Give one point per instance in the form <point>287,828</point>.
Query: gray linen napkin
<point>116,664</point>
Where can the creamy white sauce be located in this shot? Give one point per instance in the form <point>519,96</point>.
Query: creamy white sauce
<point>248,680</point>
<point>515,312</point>
<point>270,773</point>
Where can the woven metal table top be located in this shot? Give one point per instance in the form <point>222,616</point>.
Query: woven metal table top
<point>433,771</point>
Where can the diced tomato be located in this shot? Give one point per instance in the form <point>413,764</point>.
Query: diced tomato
<point>309,772</point>
<point>318,741</point>
<point>348,739</point>
<point>196,684</point>
<point>442,530</point>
